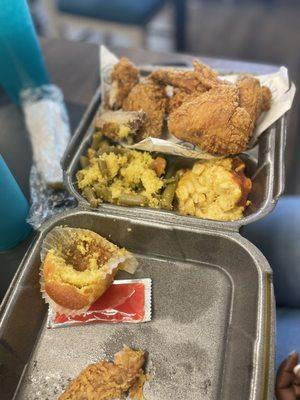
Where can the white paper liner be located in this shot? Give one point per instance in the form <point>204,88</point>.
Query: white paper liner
<point>283,93</point>
<point>147,282</point>
<point>63,236</point>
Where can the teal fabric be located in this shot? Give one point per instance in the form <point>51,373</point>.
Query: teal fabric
<point>288,333</point>
<point>132,12</point>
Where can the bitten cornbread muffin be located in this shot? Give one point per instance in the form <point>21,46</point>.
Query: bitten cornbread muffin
<point>216,189</point>
<point>78,266</point>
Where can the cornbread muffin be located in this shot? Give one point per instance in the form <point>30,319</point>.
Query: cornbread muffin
<point>106,380</point>
<point>125,177</point>
<point>215,189</point>
<point>78,266</point>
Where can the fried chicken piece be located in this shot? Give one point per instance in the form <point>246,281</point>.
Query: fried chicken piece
<point>106,380</point>
<point>214,121</point>
<point>207,77</point>
<point>151,98</point>
<point>254,98</point>
<point>200,79</point>
<point>186,84</point>
<point>124,77</point>
<point>185,80</point>
<point>120,125</point>
<point>215,189</point>
<point>182,83</point>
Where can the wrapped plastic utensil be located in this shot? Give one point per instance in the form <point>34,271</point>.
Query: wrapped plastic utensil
<point>48,128</point>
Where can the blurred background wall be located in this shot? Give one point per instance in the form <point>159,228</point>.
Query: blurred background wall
<point>265,31</point>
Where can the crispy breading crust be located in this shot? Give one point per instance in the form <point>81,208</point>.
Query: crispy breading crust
<point>124,76</point>
<point>253,97</point>
<point>214,121</point>
<point>150,98</point>
<point>106,380</point>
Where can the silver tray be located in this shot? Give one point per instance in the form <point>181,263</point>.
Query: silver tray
<point>211,336</point>
<point>265,167</point>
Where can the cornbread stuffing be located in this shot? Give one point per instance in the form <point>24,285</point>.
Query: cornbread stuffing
<point>126,177</point>
<point>214,190</point>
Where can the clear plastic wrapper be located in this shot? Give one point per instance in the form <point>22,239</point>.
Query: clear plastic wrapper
<point>48,128</point>
<point>125,301</point>
<point>45,201</point>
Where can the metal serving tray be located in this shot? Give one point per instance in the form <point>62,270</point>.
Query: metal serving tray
<point>211,335</point>
<point>265,166</point>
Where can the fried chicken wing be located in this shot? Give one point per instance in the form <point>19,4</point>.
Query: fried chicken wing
<point>214,121</point>
<point>186,84</point>
<point>151,98</point>
<point>253,97</point>
<point>207,77</point>
<point>185,80</point>
<point>106,380</point>
<point>200,79</point>
<point>124,77</point>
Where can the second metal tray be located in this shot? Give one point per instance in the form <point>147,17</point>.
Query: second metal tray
<point>211,336</point>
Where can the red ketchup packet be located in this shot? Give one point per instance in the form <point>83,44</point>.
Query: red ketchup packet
<point>124,301</point>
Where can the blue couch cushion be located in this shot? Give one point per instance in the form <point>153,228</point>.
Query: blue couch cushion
<point>288,333</point>
<point>278,237</point>
<point>133,12</point>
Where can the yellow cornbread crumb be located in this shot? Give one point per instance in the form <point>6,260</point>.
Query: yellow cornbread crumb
<point>124,131</point>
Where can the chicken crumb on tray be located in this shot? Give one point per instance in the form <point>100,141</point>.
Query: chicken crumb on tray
<point>107,380</point>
